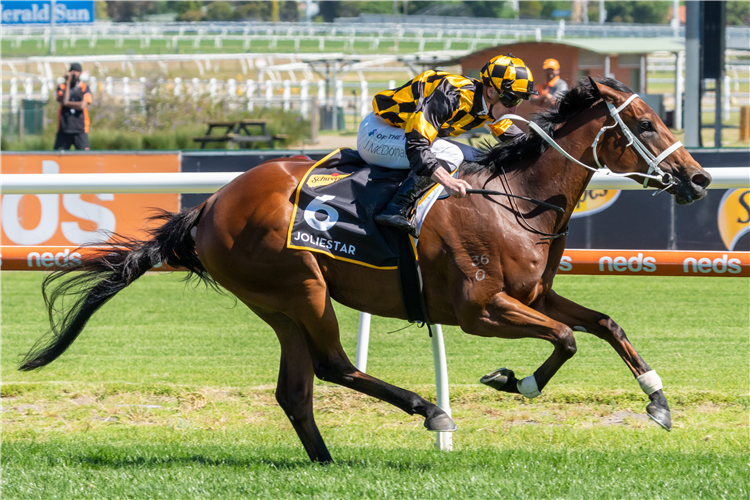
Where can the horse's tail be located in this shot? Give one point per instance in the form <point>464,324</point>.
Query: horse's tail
<point>100,275</point>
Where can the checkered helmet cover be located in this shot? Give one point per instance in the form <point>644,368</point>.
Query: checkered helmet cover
<point>508,73</point>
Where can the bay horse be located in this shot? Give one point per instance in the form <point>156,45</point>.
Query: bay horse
<point>236,239</point>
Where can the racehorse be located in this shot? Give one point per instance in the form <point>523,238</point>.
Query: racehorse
<point>237,238</point>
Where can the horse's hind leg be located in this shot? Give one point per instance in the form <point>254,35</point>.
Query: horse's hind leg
<point>601,325</point>
<point>332,365</point>
<point>294,390</point>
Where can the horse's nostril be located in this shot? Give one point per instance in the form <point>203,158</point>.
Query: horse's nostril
<point>701,180</point>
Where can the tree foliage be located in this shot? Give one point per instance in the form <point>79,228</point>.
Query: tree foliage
<point>182,7</point>
<point>530,10</point>
<point>219,11</point>
<point>100,10</point>
<point>490,9</point>
<point>638,12</point>
<point>330,10</point>
<point>289,11</point>
<point>738,13</point>
<point>549,7</point>
<point>129,11</point>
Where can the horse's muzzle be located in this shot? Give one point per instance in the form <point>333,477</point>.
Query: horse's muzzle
<point>692,183</point>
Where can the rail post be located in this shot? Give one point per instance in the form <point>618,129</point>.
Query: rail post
<point>444,440</point>
<point>363,341</point>
<point>745,123</point>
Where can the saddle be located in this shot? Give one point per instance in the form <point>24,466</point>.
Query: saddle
<point>334,208</point>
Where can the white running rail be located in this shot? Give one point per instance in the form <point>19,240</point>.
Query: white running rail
<point>209,182</point>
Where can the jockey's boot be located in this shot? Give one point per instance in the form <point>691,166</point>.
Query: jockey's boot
<point>397,211</point>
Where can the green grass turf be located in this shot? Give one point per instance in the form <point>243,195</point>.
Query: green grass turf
<point>205,368</point>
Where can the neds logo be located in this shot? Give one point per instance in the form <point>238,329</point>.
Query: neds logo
<point>719,265</point>
<point>634,264</point>
<point>48,259</point>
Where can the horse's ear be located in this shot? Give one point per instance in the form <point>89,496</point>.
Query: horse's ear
<point>594,87</point>
<point>604,92</point>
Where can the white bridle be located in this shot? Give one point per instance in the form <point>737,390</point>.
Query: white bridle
<point>653,161</point>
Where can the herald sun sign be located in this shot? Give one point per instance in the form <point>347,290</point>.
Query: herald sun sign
<point>17,12</point>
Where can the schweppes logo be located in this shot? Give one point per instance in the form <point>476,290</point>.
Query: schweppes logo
<point>315,181</point>
<point>734,216</point>
<point>594,201</point>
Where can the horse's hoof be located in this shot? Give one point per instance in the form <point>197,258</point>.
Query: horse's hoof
<point>498,379</point>
<point>660,416</point>
<point>440,423</point>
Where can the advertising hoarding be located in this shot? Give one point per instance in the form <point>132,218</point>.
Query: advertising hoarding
<point>75,219</point>
<point>30,12</point>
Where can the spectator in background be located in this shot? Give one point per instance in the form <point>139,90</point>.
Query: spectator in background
<point>74,97</point>
<point>551,90</point>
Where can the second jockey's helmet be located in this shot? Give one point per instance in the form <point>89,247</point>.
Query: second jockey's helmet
<point>512,79</point>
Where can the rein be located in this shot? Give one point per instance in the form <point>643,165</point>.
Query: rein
<point>547,236</point>
<point>532,200</point>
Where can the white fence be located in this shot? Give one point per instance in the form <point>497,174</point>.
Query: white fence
<point>379,30</point>
<point>355,97</point>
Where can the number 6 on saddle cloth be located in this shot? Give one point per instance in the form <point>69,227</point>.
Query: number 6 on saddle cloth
<point>334,209</point>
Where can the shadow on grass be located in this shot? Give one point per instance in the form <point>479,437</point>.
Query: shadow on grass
<point>113,457</point>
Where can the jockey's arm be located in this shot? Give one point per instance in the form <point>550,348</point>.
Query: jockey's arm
<point>504,131</point>
<point>421,130</point>
<point>511,133</point>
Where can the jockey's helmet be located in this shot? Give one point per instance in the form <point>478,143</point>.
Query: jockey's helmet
<point>512,79</point>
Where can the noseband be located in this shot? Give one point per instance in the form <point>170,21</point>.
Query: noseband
<point>654,172</point>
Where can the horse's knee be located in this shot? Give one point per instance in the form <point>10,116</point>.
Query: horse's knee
<point>293,400</point>
<point>566,343</point>
<point>331,370</point>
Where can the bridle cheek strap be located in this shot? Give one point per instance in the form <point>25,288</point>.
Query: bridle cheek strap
<point>652,161</point>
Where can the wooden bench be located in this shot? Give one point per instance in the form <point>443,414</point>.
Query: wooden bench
<point>237,132</point>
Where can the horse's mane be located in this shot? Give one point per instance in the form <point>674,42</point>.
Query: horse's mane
<point>509,154</point>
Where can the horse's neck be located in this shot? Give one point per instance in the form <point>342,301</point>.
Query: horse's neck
<point>551,176</point>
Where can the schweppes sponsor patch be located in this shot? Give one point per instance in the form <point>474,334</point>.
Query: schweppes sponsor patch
<point>594,201</point>
<point>734,216</point>
<point>315,181</point>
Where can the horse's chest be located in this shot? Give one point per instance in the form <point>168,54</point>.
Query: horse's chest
<point>523,274</point>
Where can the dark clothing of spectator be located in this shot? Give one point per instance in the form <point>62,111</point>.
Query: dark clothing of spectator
<point>73,124</point>
<point>65,141</point>
<point>556,88</point>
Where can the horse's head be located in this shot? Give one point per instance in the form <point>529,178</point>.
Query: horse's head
<point>647,146</point>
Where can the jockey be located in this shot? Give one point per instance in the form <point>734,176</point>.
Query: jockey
<point>409,125</point>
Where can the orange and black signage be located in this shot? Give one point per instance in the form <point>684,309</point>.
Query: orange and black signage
<point>734,216</point>
<point>75,219</point>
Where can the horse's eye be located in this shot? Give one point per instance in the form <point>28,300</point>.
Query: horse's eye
<point>646,126</point>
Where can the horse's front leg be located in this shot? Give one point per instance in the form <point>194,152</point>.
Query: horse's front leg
<point>505,317</point>
<point>601,325</point>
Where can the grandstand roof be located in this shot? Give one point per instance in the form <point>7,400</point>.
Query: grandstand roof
<point>624,45</point>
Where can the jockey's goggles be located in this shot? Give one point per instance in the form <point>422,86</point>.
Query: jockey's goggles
<point>510,99</point>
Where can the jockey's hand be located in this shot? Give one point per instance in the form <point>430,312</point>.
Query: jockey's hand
<point>454,187</point>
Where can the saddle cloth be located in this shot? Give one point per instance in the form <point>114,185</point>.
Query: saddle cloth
<point>335,205</point>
